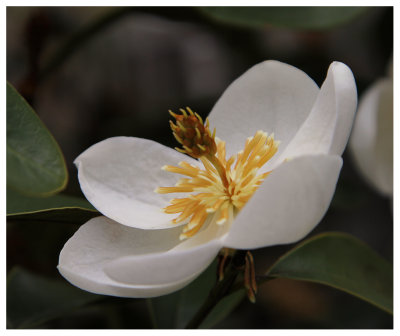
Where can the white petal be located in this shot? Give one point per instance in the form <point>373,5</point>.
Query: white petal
<point>100,241</point>
<point>175,265</point>
<point>113,288</point>
<point>288,205</point>
<point>119,176</point>
<point>371,141</point>
<point>328,126</point>
<point>272,96</point>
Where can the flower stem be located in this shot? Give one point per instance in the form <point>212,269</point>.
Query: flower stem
<point>220,290</point>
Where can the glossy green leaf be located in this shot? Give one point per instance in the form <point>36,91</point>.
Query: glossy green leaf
<point>33,299</point>
<point>58,209</point>
<point>307,18</point>
<point>35,164</point>
<point>18,203</point>
<point>343,262</point>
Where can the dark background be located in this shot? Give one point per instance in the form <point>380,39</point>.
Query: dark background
<point>121,76</point>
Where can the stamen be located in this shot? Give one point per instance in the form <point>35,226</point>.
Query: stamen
<point>222,187</point>
<point>250,277</point>
<point>224,216</point>
<point>168,190</point>
<point>183,171</point>
<point>195,225</point>
<point>217,204</point>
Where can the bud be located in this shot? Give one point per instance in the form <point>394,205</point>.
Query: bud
<point>195,137</point>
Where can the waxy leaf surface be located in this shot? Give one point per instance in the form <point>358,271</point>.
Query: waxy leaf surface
<point>35,164</point>
<point>343,262</point>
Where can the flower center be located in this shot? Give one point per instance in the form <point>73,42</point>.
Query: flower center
<point>223,187</point>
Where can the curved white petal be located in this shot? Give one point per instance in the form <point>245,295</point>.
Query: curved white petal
<point>114,288</point>
<point>288,205</point>
<point>272,96</point>
<point>327,128</point>
<point>371,141</point>
<point>175,265</point>
<point>119,176</point>
<point>97,243</point>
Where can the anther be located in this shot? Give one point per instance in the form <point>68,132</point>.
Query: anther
<point>250,277</point>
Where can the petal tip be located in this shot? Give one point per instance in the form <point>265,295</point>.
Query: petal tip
<point>77,162</point>
<point>339,66</point>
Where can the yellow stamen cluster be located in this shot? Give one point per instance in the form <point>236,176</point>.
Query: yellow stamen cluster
<point>195,137</point>
<point>223,187</point>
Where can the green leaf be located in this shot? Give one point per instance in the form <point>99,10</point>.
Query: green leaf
<point>307,18</point>
<point>223,309</point>
<point>177,309</point>
<point>343,262</point>
<point>62,215</point>
<point>33,299</point>
<point>35,164</point>
<point>58,209</point>
<point>19,204</point>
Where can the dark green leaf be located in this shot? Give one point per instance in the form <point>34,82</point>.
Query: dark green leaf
<point>223,309</point>
<point>163,310</point>
<point>58,209</point>
<point>343,262</point>
<point>19,204</point>
<point>33,299</point>
<point>35,164</point>
<point>310,18</point>
<point>62,215</point>
<point>177,309</point>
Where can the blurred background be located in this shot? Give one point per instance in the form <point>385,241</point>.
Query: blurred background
<point>92,73</point>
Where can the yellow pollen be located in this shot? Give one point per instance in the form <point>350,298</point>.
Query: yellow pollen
<point>222,187</point>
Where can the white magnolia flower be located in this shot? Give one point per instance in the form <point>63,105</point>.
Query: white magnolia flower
<point>137,250</point>
<point>371,141</point>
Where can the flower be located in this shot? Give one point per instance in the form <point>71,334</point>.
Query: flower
<point>137,250</point>
<point>371,141</point>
